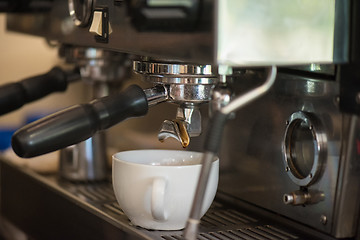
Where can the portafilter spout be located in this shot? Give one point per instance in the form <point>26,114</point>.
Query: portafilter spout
<point>186,124</point>
<point>212,145</point>
<point>79,122</point>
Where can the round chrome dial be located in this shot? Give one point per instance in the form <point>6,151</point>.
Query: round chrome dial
<point>80,11</point>
<point>304,148</point>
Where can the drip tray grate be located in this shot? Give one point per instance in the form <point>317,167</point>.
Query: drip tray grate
<point>220,222</point>
<point>265,232</point>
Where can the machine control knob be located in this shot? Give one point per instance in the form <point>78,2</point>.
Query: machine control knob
<point>174,15</point>
<point>80,11</point>
<point>301,197</point>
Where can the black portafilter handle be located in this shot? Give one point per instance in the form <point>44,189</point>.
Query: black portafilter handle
<point>78,123</point>
<point>15,95</point>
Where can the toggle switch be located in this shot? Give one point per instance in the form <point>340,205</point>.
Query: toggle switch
<point>96,25</point>
<point>100,25</point>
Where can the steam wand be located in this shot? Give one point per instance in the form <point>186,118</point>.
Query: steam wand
<point>212,146</point>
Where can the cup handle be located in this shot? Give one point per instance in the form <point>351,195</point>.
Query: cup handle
<point>158,199</point>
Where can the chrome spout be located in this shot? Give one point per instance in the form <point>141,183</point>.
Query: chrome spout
<point>174,129</point>
<point>187,124</point>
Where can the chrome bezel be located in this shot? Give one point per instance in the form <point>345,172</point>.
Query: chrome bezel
<point>87,11</point>
<point>320,146</point>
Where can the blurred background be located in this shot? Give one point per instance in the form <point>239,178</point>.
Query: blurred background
<point>22,56</point>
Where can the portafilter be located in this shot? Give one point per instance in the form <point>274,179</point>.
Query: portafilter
<point>187,85</point>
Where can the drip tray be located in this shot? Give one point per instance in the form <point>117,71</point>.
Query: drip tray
<point>219,222</point>
<point>48,208</point>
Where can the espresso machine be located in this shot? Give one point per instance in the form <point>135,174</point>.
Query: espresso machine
<point>271,87</point>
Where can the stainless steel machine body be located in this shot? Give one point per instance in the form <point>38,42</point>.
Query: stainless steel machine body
<point>292,152</point>
<point>322,148</point>
<point>220,32</point>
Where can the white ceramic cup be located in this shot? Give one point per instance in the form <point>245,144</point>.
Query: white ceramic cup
<point>155,188</point>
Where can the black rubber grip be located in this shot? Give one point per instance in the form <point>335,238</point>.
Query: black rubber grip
<point>15,95</point>
<point>214,132</point>
<point>78,123</point>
